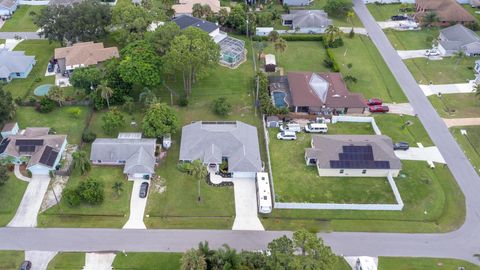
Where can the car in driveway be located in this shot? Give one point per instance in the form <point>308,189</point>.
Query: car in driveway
<point>316,128</point>
<point>401,146</point>
<point>26,265</point>
<point>432,52</point>
<point>287,135</point>
<point>374,101</point>
<point>378,108</point>
<point>143,190</point>
<point>398,18</point>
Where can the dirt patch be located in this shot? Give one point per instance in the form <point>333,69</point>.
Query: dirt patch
<point>54,192</point>
<point>158,184</point>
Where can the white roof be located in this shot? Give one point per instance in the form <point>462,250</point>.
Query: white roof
<point>270,59</point>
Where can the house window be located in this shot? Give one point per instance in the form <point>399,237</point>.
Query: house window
<point>122,161</point>
<point>364,171</point>
<point>341,171</point>
<point>18,74</point>
<point>99,161</point>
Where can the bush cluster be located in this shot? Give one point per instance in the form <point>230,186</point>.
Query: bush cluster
<point>90,191</point>
<point>221,106</point>
<point>330,62</point>
<point>88,136</point>
<point>266,104</point>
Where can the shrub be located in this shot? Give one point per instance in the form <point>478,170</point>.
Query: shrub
<point>350,78</point>
<point>3,175</point>
<point>184,167</point>
<point>74,112</point>
<point>336,43</point>
<point>183,101</point>
<point>331,56</point>
<point>71,196</point>
<point>88,136</point>
<point>46,105</point>
<point>18,101</point>
<point>91,191</point>
<point>221,106</point>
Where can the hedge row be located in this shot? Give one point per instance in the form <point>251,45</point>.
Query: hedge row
<point>331,56</point>
<point>293,37</point>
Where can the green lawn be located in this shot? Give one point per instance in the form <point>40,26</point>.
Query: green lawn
<point>22,20</point>
<point>403,128</point>
<point>96,123</point>
<point>67,260</point>
<point>147,261</point>
<point>412,40</point>
<point>113,212</point>
<point>319,4</point>
<point>445,71</point>
<point>469,143</point>
<point>59,119</point>
<point>10,196</point>
<point>384,12</point>
<point>472,11</point>
<point>2,41</point>
<point>394,263</point>
<point>301,56</point>
<point>456,105</point>
<point>11,260</point>
<point>43,52</point>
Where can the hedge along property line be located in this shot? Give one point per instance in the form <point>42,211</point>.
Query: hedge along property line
<point>331,56</point>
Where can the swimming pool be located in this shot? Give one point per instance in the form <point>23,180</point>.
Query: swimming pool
<point>42,90</point>
<point>279,99</point>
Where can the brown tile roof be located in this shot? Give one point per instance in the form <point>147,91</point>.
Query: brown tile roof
<point>337,96</point>
<point>446,10</point>
<point>86,54</point>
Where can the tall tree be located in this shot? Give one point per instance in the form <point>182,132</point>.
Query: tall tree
<point>280,45</point>
<point>3,175</point>
<point>87,78</point>
<point>81,161</point>
<point>222,16</point>
<point>332,33</point>
<point>140,64</point>
<point>430,18</point>
<point>112,121</point>
<point>338,8</point>
<point>193,260</point>
<point>313,253</point>
<point>192,54</point>
<point>7,107</point>
<point>56,94</point>
<point>130,22</point>
<point>163,37</point>
<point>160,119</point>
<point>120,87</point>
<point>106,93</point>
<point>206,252</point>
<point>226,258</point>
<point>199,171</point>
<point>281,250</point>
<point>197,10</point>
<point>260,46</point>
<point>273,36</point>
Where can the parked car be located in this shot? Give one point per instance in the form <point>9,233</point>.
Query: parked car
<point>143,190</point>
<point>287,135</point>
<point>295,127</point>
<point>378,108</point>
<point>399,18</point>
<point>26,265</point>
<point>51,67</point>
<point>167,141</point>
<point>432,52</point>
<point>401,146</point>
<point>316,128</point>
<point>374,101</point>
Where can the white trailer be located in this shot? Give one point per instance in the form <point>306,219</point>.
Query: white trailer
<point>264,196</point>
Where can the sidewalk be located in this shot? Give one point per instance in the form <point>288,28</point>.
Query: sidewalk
<point>456,88</point>
<point>458,122</point>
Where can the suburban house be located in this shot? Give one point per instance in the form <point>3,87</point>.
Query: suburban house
<point>307,21</point>
<point>353,156</point>
<point>474,3</point>
<point>235,143</point>
<point>232,50</point>
<point>185,7</point>
<point>8,7</point>
<point>15,64</point>
<point>83,54</point>
<point>297,2</point>
<point>315,93</point>
<point>458,38</point>
<point>270,63</point>
<point>447,11</point>
<point>40,150</point>
<point>63,2</point>
<point>130,150</point>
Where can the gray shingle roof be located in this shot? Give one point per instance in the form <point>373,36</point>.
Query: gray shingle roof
<point>210,141</point>
<point>459,34</point>
<point>14,61</point>
<point>185,21</point>
<point>7,3</point>
<point>308,18</point>
<point>138,154</point>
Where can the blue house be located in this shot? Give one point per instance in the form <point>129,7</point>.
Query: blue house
<point>8,7</point>
<point>15,64</point>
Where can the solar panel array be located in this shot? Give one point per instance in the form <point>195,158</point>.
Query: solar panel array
<point>29,142</point>
<point>358,157</point>
<point>4,144</point>
<point>26,148</point>
<point>49,156</point>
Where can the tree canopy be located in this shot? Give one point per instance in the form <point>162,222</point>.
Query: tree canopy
<point>338,8</point>
<point>159,120</point>
<point>140,64</point>
<point>86,78</point>
<point>163,37</point>
<point>7,107</point>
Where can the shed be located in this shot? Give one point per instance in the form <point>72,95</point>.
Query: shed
<point>270,63</point>
<point>273,121</point>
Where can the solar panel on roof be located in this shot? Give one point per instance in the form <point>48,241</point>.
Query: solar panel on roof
<point>359,164</point>
<point>3,145</point>
<point>29,142</point>
<point>49,156</point>
<point>26,148</point>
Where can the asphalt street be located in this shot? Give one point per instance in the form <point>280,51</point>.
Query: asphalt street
<point>21,35</point>
<point>461,244</point>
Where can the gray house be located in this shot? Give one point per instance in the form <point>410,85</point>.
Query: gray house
<point>15,64</point>
<point>458,38</point>
<point>8,7</point>
<point>297,2</point>
<point>307,21</point>
<point>130,150</point>
<point>215,142</point>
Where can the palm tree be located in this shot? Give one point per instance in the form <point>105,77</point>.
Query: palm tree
<point>118,187</point>
<point>222,16</point>
<point>350,16</point>
<point>147,97</point>
<point>332,33</point>
<point>56,94</point>
<point>206,252</point>
<point>200,172</point>
<point>106,93</point>
<point>273,36</point>
<point>458,55</point>
<point>81,161</point>
<point>280,45</point>
<point>225,258</point>
<point>197,10</point>
<point>193,260</point>
<point>260,46</point>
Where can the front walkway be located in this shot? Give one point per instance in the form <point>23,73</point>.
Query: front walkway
<point>137,206</point>
<point>455,88</point>
<point>429,154</point>
<point>246,205</point>
<point>99,261</point>
<point>400,108</point>
<point>10,44</point>
<point>39,259</point>
<point>458,122</point>
<point>19,175</point>
<point>27,212</point>
<point>367,263</point>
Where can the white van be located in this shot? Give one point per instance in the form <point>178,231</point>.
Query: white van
<point>295,127</point>
<point>287,135</point>
<point>316,128</point>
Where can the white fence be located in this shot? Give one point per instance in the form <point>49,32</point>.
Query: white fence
<point>349,206</point>
<point>267,143</point>
<point>34,3</point>
<point>357,119</point>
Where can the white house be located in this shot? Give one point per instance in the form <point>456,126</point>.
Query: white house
<point>353,156</point>
<point>8,7</point>
<point>458,38</point>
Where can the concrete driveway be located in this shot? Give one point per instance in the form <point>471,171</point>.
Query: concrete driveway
<point>412,54</point>
<point>455,88</point>
<point>39,259</point>
<point>400,108</point>
<point>27,212</point>
<point>421,154</point>
<point>99,261</point>
<point>137,207</point>
<point>461,122</point>
<point>246,205</point>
